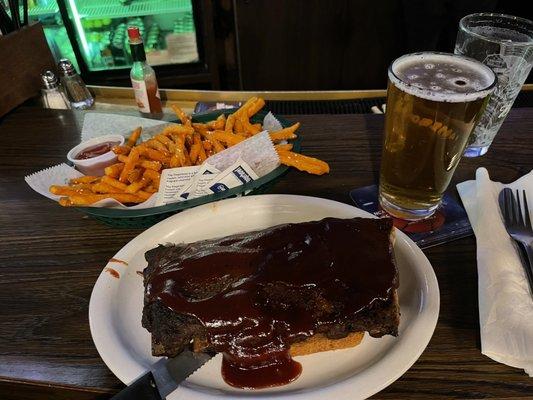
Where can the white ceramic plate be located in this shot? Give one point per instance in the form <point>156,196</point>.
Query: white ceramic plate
<point>116,306</point>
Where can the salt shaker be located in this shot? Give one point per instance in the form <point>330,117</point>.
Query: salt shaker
<point>79,96</point>
<point>52,93</point>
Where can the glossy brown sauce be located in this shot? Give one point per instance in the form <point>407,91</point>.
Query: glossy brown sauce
<point>116,260</point>
<point>276,371</point>
<point>96,150</point>
<point>344,262</point>
<point>114,273</point>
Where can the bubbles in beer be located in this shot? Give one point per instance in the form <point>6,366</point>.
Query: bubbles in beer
<point>441,77</point>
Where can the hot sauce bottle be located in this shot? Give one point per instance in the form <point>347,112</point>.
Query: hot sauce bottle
<point>143,77</point>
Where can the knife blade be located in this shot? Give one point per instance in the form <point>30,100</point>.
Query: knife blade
<point>164,377</point>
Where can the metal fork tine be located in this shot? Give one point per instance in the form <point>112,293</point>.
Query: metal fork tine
<point>518,208</point>
<point>527,218</point>
<point>509,204</point>
<point>503,205</point>
<point>503,208</point>
<point>513,205</point>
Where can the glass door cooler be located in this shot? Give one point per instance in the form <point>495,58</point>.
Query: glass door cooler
<point>92,33</point>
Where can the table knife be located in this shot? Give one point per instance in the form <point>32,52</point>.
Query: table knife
<point>164,377</point>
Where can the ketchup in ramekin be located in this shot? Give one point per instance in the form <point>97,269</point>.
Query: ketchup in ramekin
<point>92,156</point>
<point>96,150</point>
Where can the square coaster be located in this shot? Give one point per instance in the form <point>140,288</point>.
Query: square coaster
<point>449,222</point>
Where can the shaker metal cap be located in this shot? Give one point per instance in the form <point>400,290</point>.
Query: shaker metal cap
<point>49,79</point>
<point>65,67</point>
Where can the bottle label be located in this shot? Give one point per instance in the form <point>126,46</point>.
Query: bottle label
<point>141,95</point>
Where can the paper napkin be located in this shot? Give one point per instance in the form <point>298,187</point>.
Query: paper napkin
<point>505,301</point>
<point>99,124</point>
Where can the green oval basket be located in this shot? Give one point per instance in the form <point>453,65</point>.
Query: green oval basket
<point>120,218</point>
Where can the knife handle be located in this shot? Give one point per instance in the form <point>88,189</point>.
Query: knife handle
<point>143,388</point>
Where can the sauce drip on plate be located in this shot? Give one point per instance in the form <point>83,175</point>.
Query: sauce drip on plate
<point>116,260</point>
<point>113,272</point>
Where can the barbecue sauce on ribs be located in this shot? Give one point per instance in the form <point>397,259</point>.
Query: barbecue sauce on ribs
<point>275,287</point>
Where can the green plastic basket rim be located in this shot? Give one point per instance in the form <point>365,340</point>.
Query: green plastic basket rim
<point>183,205</point>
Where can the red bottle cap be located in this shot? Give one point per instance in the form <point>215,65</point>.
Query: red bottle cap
<point>133,33</point>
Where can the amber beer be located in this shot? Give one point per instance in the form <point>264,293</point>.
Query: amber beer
<point>433,103</point>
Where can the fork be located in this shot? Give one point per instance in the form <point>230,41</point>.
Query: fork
<point>518,226</point>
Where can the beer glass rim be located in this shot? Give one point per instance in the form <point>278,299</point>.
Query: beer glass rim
<point>526,24</point>
<point>422,92</point>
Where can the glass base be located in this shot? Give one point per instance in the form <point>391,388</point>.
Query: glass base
<point>404,213</point>
<point>476,151</point>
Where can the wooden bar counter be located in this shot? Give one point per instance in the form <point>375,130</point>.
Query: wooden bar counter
<point>50,258</point>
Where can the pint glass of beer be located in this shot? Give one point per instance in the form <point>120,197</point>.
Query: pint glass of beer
<point>433,103</point>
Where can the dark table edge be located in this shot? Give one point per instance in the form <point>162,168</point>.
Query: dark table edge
<point>29,386</point>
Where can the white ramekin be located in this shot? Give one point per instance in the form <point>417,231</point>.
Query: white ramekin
<point>95,166</point>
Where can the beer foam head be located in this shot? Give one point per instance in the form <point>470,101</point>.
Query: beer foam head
<point>442,77</point>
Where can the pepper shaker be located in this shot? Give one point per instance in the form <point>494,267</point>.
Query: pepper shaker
<point>79,96</point>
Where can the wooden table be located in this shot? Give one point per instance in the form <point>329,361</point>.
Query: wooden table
<point>50,258</point>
